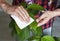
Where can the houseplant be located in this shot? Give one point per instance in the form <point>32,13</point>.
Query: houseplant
<point>31,32</point>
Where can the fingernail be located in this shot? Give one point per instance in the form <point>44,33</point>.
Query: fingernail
<point>27,21</point>
<point>37,20</point>
<point>38,25</point>
<point>43,11</point>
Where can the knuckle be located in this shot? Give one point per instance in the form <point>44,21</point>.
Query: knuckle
<point>16,9</point>
<point>19,7</point>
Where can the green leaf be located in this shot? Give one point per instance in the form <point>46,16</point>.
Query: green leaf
<point>33,25</point>
<point>57,38</point>
<point>23,4</point>
<point>34,12</point>
<point>18,30</point>
<point>47,38</point>
<point>31,15</point>
<point>39,31</point>
<point>35,7</point>
<point>24,34</point>
<point>36,30</point>
<point>34,38</point>
<point>13,33</point>
<point>12,26</point>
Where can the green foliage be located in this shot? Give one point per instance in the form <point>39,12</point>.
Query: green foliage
<point>57,38</point>
<point>47,38</point>
<point>37,32</point>
<point>34,38</point>
<point>35,7</point>
<point>12,25</point>
<point>23,4</point>
<point>24,34</point>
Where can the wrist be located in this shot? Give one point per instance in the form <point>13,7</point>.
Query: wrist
<point>56,13</point>
<point>4,6</point>
<point>2,2</point>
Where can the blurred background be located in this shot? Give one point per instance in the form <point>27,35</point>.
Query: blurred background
<point>5,31</point>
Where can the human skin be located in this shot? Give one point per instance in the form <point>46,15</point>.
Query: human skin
<point>46,16</point>
<point>23,15</point>
<point>18,11</point>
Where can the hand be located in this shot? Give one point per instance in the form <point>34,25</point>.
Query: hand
<point>46,16</point>
<point>18,11</point>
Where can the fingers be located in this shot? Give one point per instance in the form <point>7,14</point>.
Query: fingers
<point>40,18</point>
<point>46,16</point>
<point>44,21</point>
<point>24,14</point>
<point>19,16</point>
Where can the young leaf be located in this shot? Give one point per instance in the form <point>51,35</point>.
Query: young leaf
<point>35,7</point>
<point>24,34</point>
<point>47,38</point>
<point>34,38</point>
